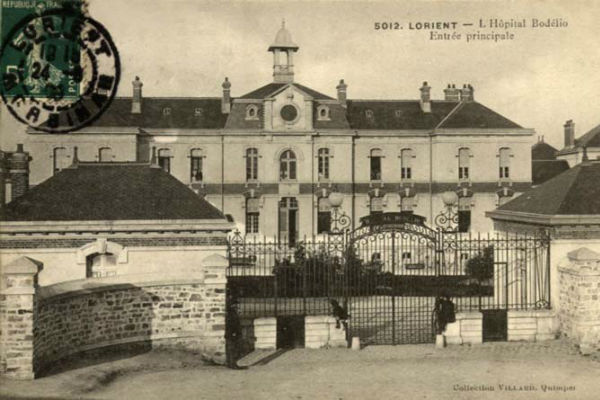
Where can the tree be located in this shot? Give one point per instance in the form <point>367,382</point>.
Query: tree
<point>481,267</point>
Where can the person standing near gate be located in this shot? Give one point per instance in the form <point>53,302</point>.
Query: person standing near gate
<point>233,334</point>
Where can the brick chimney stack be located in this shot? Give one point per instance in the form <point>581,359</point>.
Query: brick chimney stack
<point>425,98</point>
<point>226,99</point>
<point>341,92</point>
<point>451,93</point>
<point>19,172</point>
<point>136,100</point>
<point>466,93</point>
<point>569,133</point>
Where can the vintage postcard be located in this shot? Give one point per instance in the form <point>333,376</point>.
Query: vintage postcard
<point>299,199</point>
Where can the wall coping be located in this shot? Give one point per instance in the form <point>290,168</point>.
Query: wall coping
<point>583,254</point>
<point>22,266</point>
<point>92,285</point>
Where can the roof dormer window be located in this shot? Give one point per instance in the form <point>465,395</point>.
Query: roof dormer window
<point>197,112</point>
<point>166,111</point>
<point>398,113</point>
<point>323,113</point>
<point>252,112</point>
<point>369,114</point>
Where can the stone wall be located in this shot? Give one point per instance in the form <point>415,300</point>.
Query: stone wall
<point>579,312</point>
<point>41,325</point>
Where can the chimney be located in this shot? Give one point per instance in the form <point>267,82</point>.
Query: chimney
<point>466,93</point>
<point>451,93</point>
<point>19,172</point>
<point>153,159</point>
<point>226,99</point>
<point>569,133</point>
<point>425,98</point>
<point>341,92</point>
<point>75,162</point>
<point>136,101</point>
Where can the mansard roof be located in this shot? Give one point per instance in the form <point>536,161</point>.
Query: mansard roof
<point>543,170</point>
<point>166,113</point>
<point>110,192</point>
<point>205,113</point>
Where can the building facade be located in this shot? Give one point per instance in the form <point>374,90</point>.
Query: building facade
<point>270,158</point>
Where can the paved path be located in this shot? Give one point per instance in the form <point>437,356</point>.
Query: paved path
<point>549,370</point>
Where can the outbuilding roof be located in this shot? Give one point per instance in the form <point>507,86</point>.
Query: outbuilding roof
<point>110,192</point>
<point>574,192</point>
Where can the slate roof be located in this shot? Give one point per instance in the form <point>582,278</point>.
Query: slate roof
<point>105,191</point>
<point>590,139</point>
<point>542,170</point>
<point>185,113</point>
<point>543,151</point>
<point>574,192</point>
<point>474,115</point>
<point>270,88</point>
<point>205,113</point>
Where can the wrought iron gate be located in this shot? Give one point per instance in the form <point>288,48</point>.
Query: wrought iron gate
<point>388,273</point>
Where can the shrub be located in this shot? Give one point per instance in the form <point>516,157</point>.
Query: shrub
<point>481,267</point>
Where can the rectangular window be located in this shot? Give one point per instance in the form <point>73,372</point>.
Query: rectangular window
<point>164,159</point>
<point>464,220</point>
<point>196,169</point>
<point>251,164</point>
<point>376,155</point>
<point>504,161</point>
<point>324,216</point>
<point>323,164</point>
<point>464,214</point>
<point>165,163</point>
<point>105,154</point>
<point>252,216</point>
<point>463,163</point>
<point>60,158</point>
<point>406,164</point>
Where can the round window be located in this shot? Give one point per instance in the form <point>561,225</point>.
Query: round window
<point>289,113</point>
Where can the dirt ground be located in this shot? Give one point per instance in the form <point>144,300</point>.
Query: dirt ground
<point>548,370</point>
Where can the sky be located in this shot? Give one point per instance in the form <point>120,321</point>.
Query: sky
<point>539,79</point>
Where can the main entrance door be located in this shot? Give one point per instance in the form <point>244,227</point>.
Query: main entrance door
<point>288,220</point>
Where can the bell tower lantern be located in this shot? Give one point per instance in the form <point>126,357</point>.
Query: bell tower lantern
<point>283,49</point>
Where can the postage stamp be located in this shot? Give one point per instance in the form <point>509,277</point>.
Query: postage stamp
<point>60,69</point>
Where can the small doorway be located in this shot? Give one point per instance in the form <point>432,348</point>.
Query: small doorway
<point>495,325</point>
<point>290,332</point>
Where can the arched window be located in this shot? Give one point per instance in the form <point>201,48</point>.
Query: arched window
<point>406,156</point>
<point>324,215</point>
<point>196,156</point>
<point>504,163</point>
<point>464,155</point>
<point>105,154</point>
<point>323,164</point>
<point>376,156</point>
<point>60,159</point>
<point>287,165</point>
<point>252,215</point>
<point>164,159</point>
<point>251,164</point>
